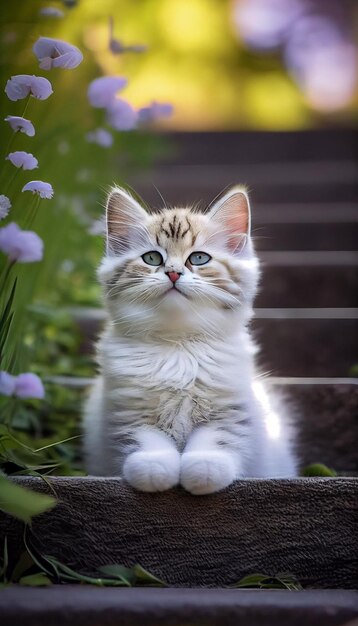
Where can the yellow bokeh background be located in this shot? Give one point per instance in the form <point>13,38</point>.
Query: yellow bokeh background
<point>194,60</point>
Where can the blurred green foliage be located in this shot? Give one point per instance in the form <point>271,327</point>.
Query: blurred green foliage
<point>37,334</point>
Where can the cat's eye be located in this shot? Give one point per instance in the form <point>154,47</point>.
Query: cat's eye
<point>199,258</point>
<point>152,258</point>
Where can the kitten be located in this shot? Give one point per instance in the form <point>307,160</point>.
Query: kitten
<point>179,399</point>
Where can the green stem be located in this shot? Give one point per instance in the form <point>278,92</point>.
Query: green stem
<point>26,105</point>
<point>5,274</point>
<point>10,142</point>
<point>8,187</point>
<point>15,132</point>
<point>14,403</point>
<point>32,211</point>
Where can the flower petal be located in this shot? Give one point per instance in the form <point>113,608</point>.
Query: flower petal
<point>154,111</point>
<point>29,386</point>
<point>7,384</point>
<point>102,91</point>
<point>21,124</point>
<point>18,87</point>
<point>51,12</point>
<point>41,88</point>
<point>21,85</point>
<point>23,246</point>
<point>5,205</point>
<point>122,116</point>
<point>57,53</point>
<point>44,190</point>
<point>23,159</point>
<point>101,137</point>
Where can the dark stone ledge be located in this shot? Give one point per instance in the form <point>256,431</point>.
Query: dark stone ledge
<point>88,606</point>
<point>306,527</point>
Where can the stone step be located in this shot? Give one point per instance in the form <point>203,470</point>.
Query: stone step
<point>305,527</point>
<point>299,147</point>
<point>301,236</point>
<point>88,606</point>
<point>292,167</point>
<point>293,342</point>
<point>323,410</point>
<point>182,192</point>
<point>296,213</point>
<point>296,286</point>
<point>306,347</point>
<point>309,174</point>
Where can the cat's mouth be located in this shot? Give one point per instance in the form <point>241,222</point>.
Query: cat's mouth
<point>173,291</point>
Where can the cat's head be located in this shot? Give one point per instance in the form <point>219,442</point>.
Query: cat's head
<point>179,270</point>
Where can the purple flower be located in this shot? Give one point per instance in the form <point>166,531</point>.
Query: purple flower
<point>23,386</point>
<point>20,86</point>
<point>264,24</point>
<point>121,115</point>
<point>56,53</point>
<point>23,159</point>
<point>7,384</point>
<point>101,137</point>
<point>51,12</point>
<point>21,124</point>
<point>23,246</point>
<point>5,205</point>
<point>116,46</point>
<point>154,111</point>
<point>29,386</point>
<point>102,91</point>
<point>44,190</point>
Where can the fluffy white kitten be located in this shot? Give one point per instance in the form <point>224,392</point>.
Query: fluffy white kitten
<point>179,400</point>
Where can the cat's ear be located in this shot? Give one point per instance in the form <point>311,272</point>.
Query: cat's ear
<point>125,221</point>
<point>232,212</point>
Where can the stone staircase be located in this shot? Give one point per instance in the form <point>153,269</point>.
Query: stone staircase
<point>304,189</point>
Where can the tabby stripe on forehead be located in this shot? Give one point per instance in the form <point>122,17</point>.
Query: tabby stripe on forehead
<point>164,229</point>
<point>172,227</point>
<point>187,230</point>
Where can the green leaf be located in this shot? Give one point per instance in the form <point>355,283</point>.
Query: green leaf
<point>6,318</point>
<point>125,574</point>
<point>22,502</point>
<point>66,573</point>
<point>290,582</point>
<point>318,469</point>
<point>9,304</point>
<point>35,580</point>
<point>263,581</point>
<point>5,561</point>
<point>145,577</point>
<point>5,434</point>
<point>23,564</point>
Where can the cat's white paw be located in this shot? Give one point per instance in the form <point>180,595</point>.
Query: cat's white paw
<point>152,471</point>
<point>206,472</point>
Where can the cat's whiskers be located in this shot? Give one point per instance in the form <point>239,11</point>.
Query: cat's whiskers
<point>209,329</point>
<point>212,283</point>
<point>227,298</point>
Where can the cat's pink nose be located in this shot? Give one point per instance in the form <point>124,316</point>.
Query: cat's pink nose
<point>173,276</point>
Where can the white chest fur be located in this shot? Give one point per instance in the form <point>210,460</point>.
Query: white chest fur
<point>174,385</point>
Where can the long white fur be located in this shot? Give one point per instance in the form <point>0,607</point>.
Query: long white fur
<point>179,399</point>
